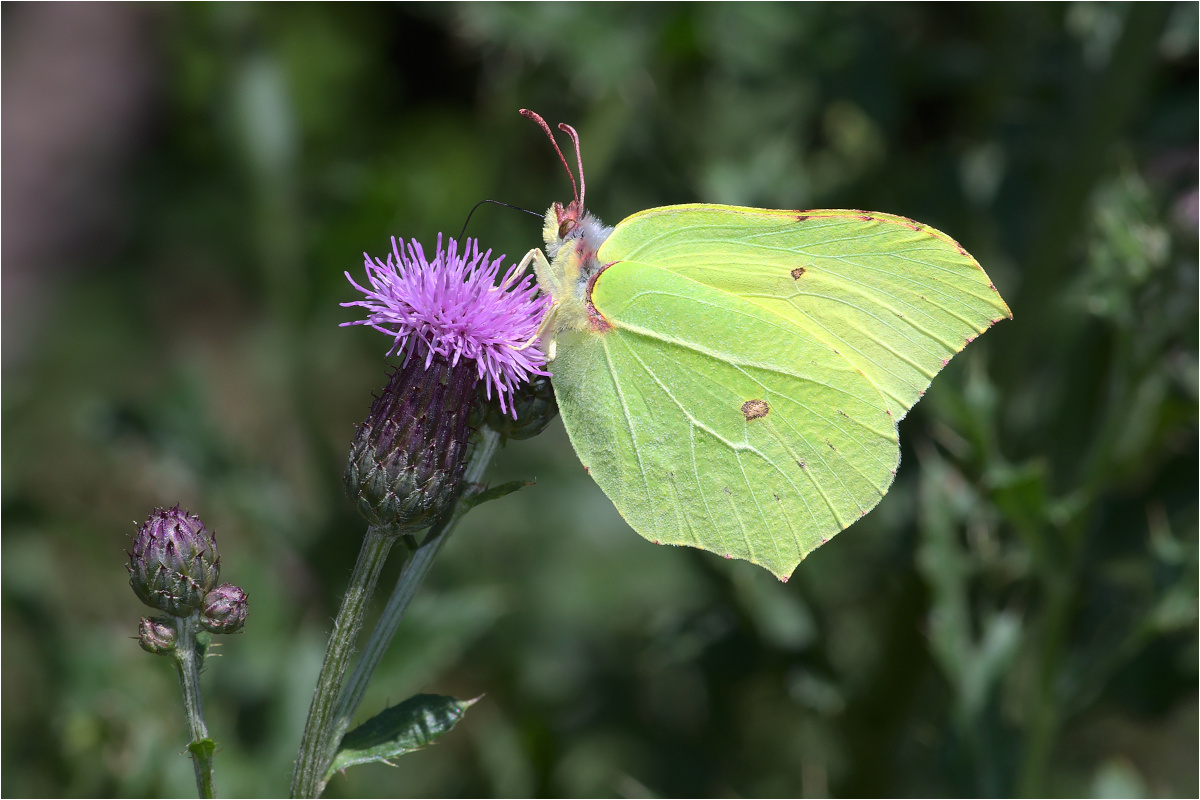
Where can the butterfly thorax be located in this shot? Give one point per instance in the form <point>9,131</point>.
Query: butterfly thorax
<point>572,237</point>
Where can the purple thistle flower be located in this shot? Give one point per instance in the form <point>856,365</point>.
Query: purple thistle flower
<point>453,307</point>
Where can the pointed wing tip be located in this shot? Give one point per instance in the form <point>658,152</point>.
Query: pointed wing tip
<point>1003,305</point>
<point>784,577</point>
<point>1005,313</point>
<point>781,571</point>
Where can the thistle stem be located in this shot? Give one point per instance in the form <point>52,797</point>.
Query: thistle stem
<point>187,664</point>
<point>410,580</point>
<point>311,762</point>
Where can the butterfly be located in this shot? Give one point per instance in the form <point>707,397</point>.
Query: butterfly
<point>733,377</point>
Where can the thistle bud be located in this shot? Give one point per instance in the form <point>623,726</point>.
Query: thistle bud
<point>174,561</point>
<point>156,635</point>
<point>409,454</point>
<point>223,609</point>
<point>532,402</point>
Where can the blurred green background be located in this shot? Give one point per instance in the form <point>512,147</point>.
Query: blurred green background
<point>184,185</point>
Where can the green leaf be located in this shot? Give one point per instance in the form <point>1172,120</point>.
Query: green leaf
<point>418,721</point>
<point>203,749</point>
<point>472,499</point>
<point>204,644</point>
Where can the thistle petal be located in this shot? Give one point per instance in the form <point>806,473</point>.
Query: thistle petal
<point>455,307</point>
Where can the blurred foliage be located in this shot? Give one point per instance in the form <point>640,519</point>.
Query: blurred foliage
<point>1017,617</point>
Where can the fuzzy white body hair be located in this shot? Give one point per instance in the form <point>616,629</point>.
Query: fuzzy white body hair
<point>571,248</point>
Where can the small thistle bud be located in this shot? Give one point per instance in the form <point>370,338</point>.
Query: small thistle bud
<point>174,561</point>
<point>533,403</point>
<point>409,454</point>
<point>223,609</point>
<point>156,635</point>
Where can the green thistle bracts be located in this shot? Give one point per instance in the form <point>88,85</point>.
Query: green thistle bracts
<point>223,609</point>
<point>174,562</point>
<point>532,402</point>
<point>409,454</point>
<point>157,635</point>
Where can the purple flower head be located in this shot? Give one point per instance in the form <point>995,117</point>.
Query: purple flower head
<point>452,306</point>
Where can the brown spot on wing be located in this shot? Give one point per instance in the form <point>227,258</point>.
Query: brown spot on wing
<point>755,409</point>
<point>797,272</point>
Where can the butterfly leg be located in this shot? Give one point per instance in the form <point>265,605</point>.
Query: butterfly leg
<point>548,333</point>
<point>529,258</point>
<point>541,267</point>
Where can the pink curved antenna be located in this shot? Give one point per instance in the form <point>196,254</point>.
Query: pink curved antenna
<point>525,112</point>
<point>567,129</point>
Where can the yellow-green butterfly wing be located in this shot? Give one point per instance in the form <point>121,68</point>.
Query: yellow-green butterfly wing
<point>740,387</point>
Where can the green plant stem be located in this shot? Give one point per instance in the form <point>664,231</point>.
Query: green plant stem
<point>187,664</point>
<point>410,580</point>
<point>311,763</point>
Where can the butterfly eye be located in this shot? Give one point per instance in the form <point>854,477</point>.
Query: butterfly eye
<point>566,227</point>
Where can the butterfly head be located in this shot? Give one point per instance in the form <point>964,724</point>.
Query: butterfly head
<point>564,222</point>
<point>573,238</point>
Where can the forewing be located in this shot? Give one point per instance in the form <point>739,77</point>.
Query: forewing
<point>895,298</point>
<point>712,421</point>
